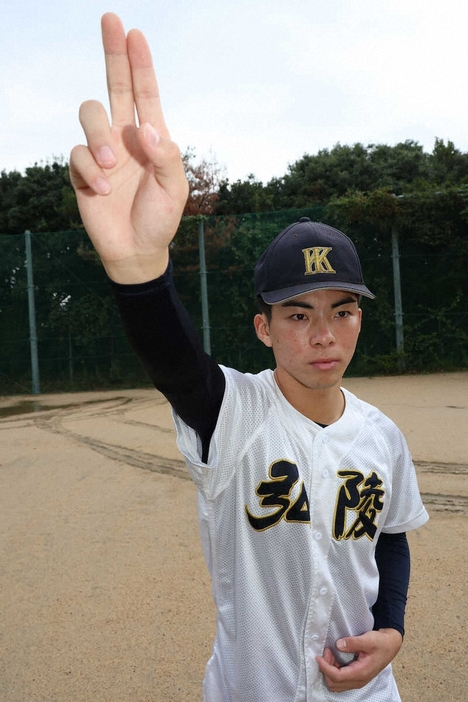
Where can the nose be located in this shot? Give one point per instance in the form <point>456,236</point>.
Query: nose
<point>321,335</point>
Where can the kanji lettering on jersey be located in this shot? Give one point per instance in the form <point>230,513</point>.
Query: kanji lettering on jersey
<point>364,496</point>
<point>277,493</point>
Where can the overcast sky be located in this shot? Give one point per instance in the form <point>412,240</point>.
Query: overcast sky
<point>254,83</point>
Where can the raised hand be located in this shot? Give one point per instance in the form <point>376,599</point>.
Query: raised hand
<point>129,179</point>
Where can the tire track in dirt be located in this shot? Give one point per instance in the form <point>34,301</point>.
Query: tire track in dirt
<point>442,468</point>
<point>445,503</point>
<point>52,421</point>
<point>442,502</point>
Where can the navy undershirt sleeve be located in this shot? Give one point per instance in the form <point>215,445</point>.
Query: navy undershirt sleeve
<point>167,344</point>
<point>392,556</point>
<point>164,338</point>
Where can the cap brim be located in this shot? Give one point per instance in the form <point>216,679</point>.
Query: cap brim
<point>272,297</point>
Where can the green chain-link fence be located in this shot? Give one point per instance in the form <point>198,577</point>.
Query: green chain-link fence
<point>80,341</point>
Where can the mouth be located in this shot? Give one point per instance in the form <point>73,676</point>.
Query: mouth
<point>325,364</point>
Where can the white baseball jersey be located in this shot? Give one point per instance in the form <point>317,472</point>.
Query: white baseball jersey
<point>289,515</point>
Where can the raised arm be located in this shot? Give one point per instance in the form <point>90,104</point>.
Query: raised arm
<point>131,190</point>
<point>129,179</point>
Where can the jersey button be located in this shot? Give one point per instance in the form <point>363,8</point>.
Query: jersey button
<point>325,473</point>
<point>325,438</point>
<point>318,535</point>
<point>323,591</point>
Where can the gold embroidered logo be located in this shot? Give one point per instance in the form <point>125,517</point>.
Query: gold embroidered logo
<point>361,498</point>
<point>316,260</point>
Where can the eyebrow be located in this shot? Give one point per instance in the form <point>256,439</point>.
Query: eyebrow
<point>307,306</point>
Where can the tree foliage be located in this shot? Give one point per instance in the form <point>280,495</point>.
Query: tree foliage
<point>365,190</point>
<point>332,173</point>
<point>204,179</point>
<point>41,199</point>
<point>240,197</point>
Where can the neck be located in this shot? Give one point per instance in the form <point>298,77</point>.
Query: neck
<point>321,405</point>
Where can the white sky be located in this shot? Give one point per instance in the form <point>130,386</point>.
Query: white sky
<point>256,83</point>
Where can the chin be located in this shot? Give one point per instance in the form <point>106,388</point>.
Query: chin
<point>323,383</point>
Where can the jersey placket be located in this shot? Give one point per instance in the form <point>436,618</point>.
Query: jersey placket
<point>322,590</point>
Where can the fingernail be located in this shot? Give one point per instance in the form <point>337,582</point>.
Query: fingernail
<point>106,156</point>
<point>341,643</point>
<point>151,135</point>
<point>102,186</point>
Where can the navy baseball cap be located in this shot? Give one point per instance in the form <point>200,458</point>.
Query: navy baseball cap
<point>308,256</point>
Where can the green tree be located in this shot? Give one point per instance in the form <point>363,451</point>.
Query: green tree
<point>449,166</point>
<point>249,195</point>
<point>316,179</point>
<point>40,200</point>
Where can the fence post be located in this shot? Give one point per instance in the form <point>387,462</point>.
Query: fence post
<point>32,316</point>
<point>70,357</point>
<point>400,342</point>
<point>204,289</point>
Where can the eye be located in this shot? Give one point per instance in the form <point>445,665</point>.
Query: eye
<point>298,317</point>
<point>342,314</point>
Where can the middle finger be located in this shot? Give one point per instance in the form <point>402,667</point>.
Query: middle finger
<point>119,76</point>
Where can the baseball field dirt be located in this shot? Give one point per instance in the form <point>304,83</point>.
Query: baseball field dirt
<point>104,594</point>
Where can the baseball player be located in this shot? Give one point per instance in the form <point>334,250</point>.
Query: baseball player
<point>305,492</point>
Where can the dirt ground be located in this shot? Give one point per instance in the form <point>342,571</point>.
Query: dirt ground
<point>104,594</point>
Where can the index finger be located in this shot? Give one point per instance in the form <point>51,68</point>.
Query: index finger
<point>145,85</point>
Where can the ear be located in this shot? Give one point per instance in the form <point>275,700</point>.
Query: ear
<point>262,329</point>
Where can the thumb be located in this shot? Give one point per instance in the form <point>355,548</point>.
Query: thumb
<point>164,155</point>
<point>150,138</point>
<point>354,644</point>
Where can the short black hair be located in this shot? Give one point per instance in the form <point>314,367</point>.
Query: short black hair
<point>264,307</point>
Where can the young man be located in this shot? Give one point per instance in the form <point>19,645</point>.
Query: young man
<point>305,492</point>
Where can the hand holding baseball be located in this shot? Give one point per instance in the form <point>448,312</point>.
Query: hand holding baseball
<point>129,179</point>
<point>374,651</point>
